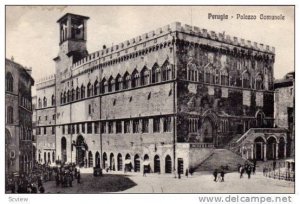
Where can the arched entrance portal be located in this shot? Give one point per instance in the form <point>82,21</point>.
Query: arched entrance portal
<point>97,159</point>
<point>81,148</point>
<point>259,148</point>
<point>112,162</point>
<point>208,131</point>
<point>128,165</point>
<point>281,148</point>
<point>104,160</point>
<point>271,148</point>
<point>120,162</point>
<point>137,163</point>
<point>168,164</point>
<point>156,164</point>
<point>63,150</point>
<point>90,159</point>
<point>146,164</point>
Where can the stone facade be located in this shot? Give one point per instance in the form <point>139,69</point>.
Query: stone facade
<point>284,113</point>
<point>165,98</point>
<point>18,125</point>
<point>45,120</point>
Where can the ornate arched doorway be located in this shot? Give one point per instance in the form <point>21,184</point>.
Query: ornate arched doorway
<point>81,149</point>
<point>156,164</point>
<point>168,164</point>
<point>208,131</point>
<point>259,148</point>
<point>63,150</point>
<point>271,148</point>
<point>137,163</point>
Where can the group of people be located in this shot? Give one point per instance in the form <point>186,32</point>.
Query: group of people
<point>247,168</point>
<point>30,182</point>
<point>65,175</point>
<point>33,182</point>
<point>219,175</point>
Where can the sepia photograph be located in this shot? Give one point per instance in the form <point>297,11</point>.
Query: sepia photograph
<point>149,99</point>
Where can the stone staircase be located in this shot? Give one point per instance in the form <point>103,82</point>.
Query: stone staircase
<point>219,158</point>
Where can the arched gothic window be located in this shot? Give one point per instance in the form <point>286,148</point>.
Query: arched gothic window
<point>9,82</point>
<point>246,80</point>
<point>53,100</point>
<point>10,115</point>
<point>135,79</point>
<point>73,95</point>
<point>224,77</point>
<point>82,91</point>
<point>156,77</point>
<point>118,83</point>
<point>110,84</point>
<point>96,88</point>
<point>144,76</point>
<point>126,81</point>
<point>103,86</point>
<point>89,90</point>
<point>77,93</point>
<point>259,82</point>
<point>40,103</point>
<point>45,102</point>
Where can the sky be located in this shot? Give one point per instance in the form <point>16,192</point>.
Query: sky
<point>32,33</point>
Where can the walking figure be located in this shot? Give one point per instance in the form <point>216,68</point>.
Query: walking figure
<point>242,170</point>
<point>215,175</point>
<point>222,175</point>
<point>249,171</point>
<point>187,173</point>
<point>78,176</point>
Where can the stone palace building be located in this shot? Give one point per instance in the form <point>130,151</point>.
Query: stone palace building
<point>19,152</point>
<point>164,99</point>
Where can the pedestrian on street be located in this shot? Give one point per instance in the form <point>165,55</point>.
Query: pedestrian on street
<point>144,171</point>
<point>78,176</point>
<point>242,170</point>
<point>215,173</point>
<point>249,171</point>
<point>187,173</point>
<point>222,175</point>
<point>254,169</point>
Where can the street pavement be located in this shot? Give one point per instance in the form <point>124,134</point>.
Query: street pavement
<point>202,182</point>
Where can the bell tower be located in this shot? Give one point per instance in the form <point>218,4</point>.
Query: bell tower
<point>72,36</point>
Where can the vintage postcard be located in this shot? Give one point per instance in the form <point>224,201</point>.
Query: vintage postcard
<point>149,99</point>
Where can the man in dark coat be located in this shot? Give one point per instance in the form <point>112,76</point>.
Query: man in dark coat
<point>215,173</point>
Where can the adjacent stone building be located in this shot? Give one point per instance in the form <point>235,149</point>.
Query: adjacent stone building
<point>284,113</point>
<point>164,99</point>
<point>18,118</point>
<point>45,120</point>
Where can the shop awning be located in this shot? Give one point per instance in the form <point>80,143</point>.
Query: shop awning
<point>145,163</point>
<point>127,161</point>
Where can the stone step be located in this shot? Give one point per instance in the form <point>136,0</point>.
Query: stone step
<point>221,157</point>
